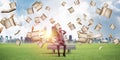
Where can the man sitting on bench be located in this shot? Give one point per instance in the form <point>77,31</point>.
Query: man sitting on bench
<point>58,34</point>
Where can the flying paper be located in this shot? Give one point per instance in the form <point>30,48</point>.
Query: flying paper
<point>116,41</point>
<point>17,32</point>
<point>85,16</point>
<point>112,26</point>
<point>100,47</point>
<point>111,36</point>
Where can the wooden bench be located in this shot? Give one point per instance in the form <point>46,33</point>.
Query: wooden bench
<point>68,47</point>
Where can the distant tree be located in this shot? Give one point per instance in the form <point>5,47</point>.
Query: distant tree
<point>106,38</point>
<point>102,38</point>
<point>21,38</point>
<point>1,38</point>
<point>10,37</point>
<point>6,37</point>
<point>70,37</point>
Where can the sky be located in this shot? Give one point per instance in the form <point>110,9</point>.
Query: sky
<point>61,15</point>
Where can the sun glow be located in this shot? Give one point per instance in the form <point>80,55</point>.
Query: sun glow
<point>48,34</point>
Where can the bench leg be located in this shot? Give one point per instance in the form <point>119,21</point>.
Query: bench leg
<point>69,50</point>
<point>54,51</point>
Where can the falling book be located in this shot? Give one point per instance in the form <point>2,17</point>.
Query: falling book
<point>98,27</point>
<point>12,8</point>
<point>17,32</point>
<point>63,3</point>
<point>105,11</point>
<point>77,2</point>
<point>71,10</point>
<point>92,3</point>
<point>52,21</point>
<point>30,11</point>
<point>71,26</point>
<point>79,21</point>
<point>43,16</point>
<point>28,19</point>
<point>8,22</point>
<point>37,5</point>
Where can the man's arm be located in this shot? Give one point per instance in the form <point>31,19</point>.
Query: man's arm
<point>63,31</point>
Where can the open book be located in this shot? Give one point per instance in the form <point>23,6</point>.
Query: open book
<point>30,11</point>
<point>47,8</point>
<point>71,10</point>
<point>17,32</point>
<point>71,26</point>
<point>79,21</point>
<point>90,22</point>
<point>8,22</point>
<point>37,5</point>
<point>43,16</point>
<point>77,2</point>
<point>37,20</point>
<point>28,19</point>
<point>63,3</point>
<point>52,21</point>
<point>12,8</point>
<point>92,3</point>
<point>98,27</point>
<point>84,28</point>
<point>105,11</point>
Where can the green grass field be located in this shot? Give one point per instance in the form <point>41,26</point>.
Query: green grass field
<point>82,52</point>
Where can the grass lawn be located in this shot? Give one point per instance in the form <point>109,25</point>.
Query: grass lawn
<point>82,52</point>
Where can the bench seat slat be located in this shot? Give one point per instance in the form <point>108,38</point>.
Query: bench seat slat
<point>53,47</point>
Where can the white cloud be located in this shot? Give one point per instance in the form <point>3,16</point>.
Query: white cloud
<point>118,18</point>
